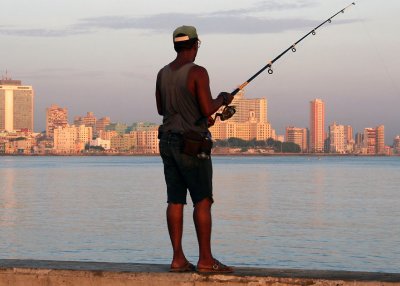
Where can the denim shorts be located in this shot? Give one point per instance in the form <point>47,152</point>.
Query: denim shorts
<point>183,172</point>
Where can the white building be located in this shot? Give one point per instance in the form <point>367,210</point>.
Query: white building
<point>71,139</point>
<point>16,105</point>
<point>337,139</point>
<point>106,144</point>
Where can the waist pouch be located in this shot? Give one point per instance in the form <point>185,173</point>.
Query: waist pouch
<point>194,144</point>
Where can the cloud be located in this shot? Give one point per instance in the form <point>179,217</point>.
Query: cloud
<point>41,33</point>
<point>207,24</point>
<point>268,6</point>
<point>220,22</point>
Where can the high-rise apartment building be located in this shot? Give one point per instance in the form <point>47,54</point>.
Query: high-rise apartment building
<point>380,140</point>
<point>55,117</point>
<point>337,138</point>
<point>348,134</point>
<point>317,126</point>
<point>298,136</point>
<point>370,140</point>
<point>396,144</point>
<point>374,140</point>
<point>16,105</point>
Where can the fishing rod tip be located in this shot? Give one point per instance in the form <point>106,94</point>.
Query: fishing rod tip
<point>354,3</point>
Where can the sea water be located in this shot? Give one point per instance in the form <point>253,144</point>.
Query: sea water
<point>334,213</point>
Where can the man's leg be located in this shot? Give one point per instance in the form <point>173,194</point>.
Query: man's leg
<point>175,229</point>
<point>203,223</point>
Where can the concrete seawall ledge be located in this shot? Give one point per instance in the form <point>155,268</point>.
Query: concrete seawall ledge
<point>49,273</point>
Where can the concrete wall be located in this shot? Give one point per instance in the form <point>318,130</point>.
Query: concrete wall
<point>57,273</point>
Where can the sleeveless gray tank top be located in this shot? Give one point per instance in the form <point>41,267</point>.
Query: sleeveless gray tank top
<point>181,111</point>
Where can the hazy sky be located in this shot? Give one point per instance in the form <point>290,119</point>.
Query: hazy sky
<point>103,55</point>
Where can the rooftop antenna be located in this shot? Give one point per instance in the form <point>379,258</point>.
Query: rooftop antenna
<point>6,76</point>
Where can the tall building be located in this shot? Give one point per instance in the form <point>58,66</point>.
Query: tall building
<point>374,140</point>
<point>380,140</point>
<point>317,126</point>
<point>298,136</point>
<point>337,138</point>
<point>370,140</point>
<point>55,117</point>
<point>16,105</point>
<point>348,134</point>
<point>396,144</point>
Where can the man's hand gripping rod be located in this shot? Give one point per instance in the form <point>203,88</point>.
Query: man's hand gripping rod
<point>229,111</point>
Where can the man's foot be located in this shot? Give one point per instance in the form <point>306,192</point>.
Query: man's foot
<point>187,267</point>
<point>216,267</point>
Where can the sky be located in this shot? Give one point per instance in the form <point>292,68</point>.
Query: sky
<point>103,56</point>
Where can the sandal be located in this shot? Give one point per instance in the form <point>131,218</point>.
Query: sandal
<point>217,267</point>
<point>188,267</point>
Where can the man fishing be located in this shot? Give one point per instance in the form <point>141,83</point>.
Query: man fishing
<point>184,100</point>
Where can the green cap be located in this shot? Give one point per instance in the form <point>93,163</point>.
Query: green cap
<point>184,33</point>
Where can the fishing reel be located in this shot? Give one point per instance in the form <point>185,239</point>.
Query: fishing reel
<point>227,112</point>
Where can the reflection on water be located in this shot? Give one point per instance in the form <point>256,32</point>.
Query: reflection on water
<point>7,198</point>
<point>289,212</point>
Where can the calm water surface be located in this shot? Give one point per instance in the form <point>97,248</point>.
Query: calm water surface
<point>288,212</point>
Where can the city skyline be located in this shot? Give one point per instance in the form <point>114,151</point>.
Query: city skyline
<point>388,139</point>
<point>89,134</point>
<point>251,120</point>
<point>105,57</point>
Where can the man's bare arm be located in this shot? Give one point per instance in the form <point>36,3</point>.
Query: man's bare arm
<point>158,95</point>
<point>199,84</point>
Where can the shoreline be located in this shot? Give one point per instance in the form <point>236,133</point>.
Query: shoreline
<point>46,272</point>
<point>213,154</point>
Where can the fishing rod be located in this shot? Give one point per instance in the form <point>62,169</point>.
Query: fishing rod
<point>229,111</point>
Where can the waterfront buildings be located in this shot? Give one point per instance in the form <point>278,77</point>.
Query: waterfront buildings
<point>16,105</point>
<point>147,141</point>
<point>249,122</point>
<point>298,136</point>
<point>107,135</point>
<point>120,128</point>
<point>55,117</point>
<point>337,139</point>
<point>249,109</point>
<point>146,135</point>
<point>380,140</point>
<point>89,121</point>
<point>142,139</point>
<point>374,140</point>
<point>71,139</point>
<point>101,124</point>
<point>396,144</point>
<point>317,126</point>
<point>98,142</point>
